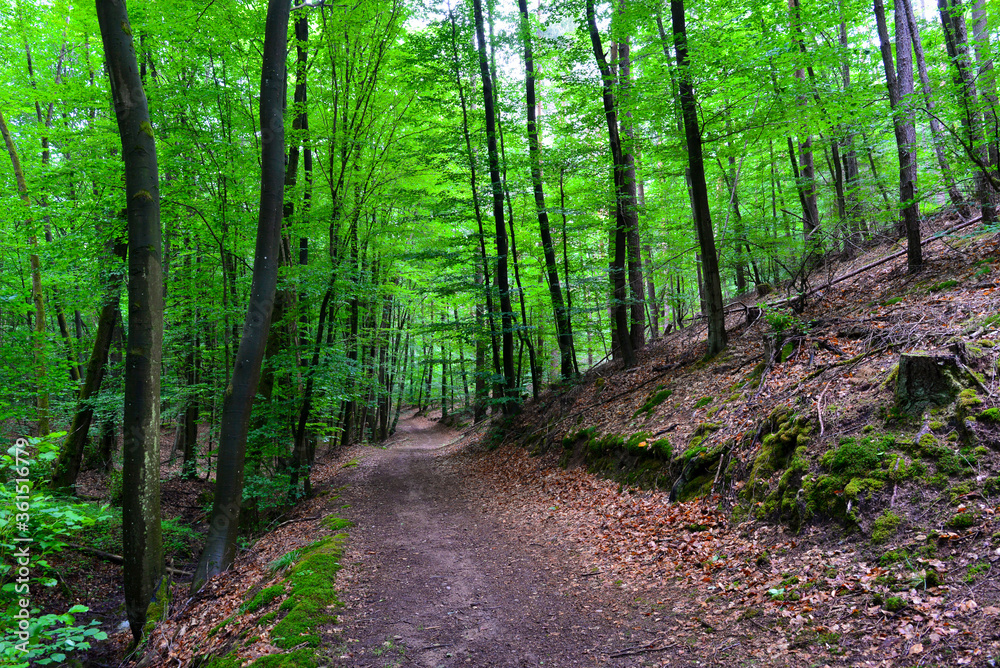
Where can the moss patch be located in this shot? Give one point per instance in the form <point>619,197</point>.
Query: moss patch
<point>312,594</point>
<point>885,527</point>
<point>655,398</point>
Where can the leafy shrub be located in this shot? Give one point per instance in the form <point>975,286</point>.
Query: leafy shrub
<point>48,639</point>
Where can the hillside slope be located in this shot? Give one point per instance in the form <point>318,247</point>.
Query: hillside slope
<point>824,509</point>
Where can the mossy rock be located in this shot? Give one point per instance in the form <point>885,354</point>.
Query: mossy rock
<point>776,450</point>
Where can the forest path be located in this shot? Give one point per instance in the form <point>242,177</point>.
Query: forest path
<point>430,578</point>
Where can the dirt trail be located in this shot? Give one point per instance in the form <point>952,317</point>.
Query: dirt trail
<point>430,579</point>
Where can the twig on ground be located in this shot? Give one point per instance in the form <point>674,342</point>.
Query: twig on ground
<point>642,649</point>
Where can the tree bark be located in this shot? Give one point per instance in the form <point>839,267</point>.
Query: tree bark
<point>220,544</point>
<point>508,392</point>
<point>625,210</point>
<point>142,540</point>
<point>717,337</point>
<point>899,82</point>
<point>67,468</point>
<point>564,335</point>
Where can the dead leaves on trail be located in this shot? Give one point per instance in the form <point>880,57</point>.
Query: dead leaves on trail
<point>786,600</point>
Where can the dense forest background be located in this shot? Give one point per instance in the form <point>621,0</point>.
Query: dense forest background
<point>475,201</point>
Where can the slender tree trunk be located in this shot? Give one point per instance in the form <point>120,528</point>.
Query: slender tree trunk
<point>900,86</point>
<point>717,338</point>
<point>510,400</point>
<point>807,180</point>
<point>937,132</point>
<point>220,544</point>
<point>564,335</point>
<point>71,456</point>
<point>38,338</point>
<point>624,205</point>
<point>142,541</point>
<point>956,43</point>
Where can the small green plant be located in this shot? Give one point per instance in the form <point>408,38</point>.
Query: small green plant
<point>284,561</point>
<point>48,639</point>
<point>780,321</point>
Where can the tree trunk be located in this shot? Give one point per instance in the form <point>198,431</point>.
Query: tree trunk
<point>625,210</point>
<point>564,335</point>
<point>937,132</point>
<point>900,86</point>
<point>38,338</point>
<point>142,540</point>
<point>67,468</point>
<point>220,544</point>
<point>717,338</point>
<point>509,399</point>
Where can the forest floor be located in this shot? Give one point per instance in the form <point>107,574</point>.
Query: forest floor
<point>496,546</point>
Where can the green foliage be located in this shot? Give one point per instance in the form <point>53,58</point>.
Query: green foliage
<point>48,639</point>
<point>855,457</point>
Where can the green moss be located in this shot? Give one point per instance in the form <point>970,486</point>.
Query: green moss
<point>228,661</point>
<point>854,457</point>
<point>990,415</point>
<point>638,443</point>
<point>857,487</point>
<point>885,527</point>
<point>262,598</point>
<point>160,602</point>
<point>943,285</point>
<point>300,658</point>
<point>891,301</point>
<point>571,438</point>
<point>334,523</point>
<point>894,604</point>
<point>312,594</point>
<point>661,448</point>
<point>704,401</point>
<point>962,521</point>
<point>655,398</point>
<point>968,399</point>
<point>221,625</point>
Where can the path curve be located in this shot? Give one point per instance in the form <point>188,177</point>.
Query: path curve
<point>432,580</point>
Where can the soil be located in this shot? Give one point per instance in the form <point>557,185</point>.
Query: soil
<point>433,578</point>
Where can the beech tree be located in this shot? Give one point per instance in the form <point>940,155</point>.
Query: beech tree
<point>220,544</point>
<point>141,533</point>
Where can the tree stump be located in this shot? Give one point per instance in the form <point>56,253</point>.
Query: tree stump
<point>928,378</point>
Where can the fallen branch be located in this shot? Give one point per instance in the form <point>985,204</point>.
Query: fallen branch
<point>642,649</point>
<point>116,559</point>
